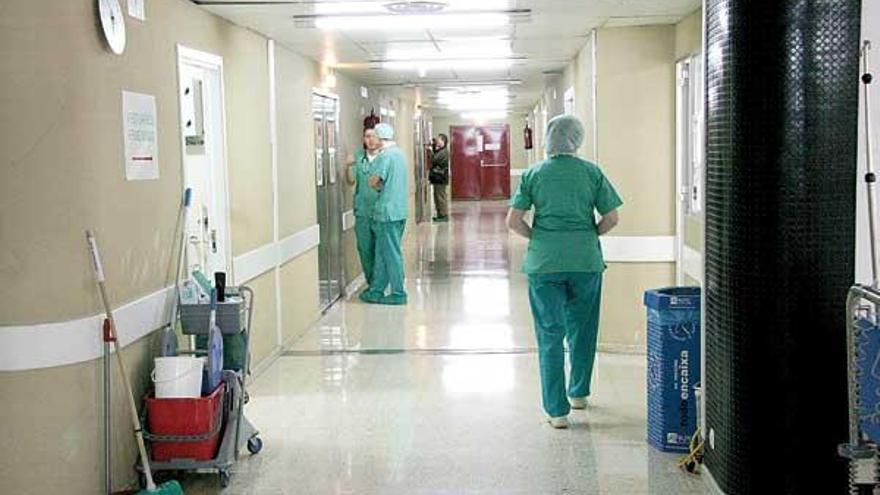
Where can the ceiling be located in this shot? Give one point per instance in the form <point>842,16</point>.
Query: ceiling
<point>544,39</point>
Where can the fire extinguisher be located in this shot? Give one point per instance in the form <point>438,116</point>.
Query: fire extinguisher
<point>527,136</point>
<point>371,120</point>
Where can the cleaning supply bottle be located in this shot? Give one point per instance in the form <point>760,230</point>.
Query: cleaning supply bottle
<point>213,371</point>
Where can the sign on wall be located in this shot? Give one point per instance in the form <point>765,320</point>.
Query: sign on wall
<point>140,136</point>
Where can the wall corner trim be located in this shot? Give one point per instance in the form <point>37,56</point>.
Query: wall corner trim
<point>47,345</point>
<point>638,249</point>
<point>254,263</point>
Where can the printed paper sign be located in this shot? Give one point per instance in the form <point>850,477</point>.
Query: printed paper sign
<point>492,147</point>
<point>140,135</point>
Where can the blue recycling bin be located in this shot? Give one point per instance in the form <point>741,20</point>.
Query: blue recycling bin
<point>868,376</point>
<point>673,366</point>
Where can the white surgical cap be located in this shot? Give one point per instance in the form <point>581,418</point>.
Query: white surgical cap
<point>564,135</point>
<point>385,132</point>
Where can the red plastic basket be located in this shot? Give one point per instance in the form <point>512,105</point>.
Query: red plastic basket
<point>202,417</point>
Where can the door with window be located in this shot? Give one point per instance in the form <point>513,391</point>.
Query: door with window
<point>200,95</point>
<point>480,162</point>
<point>328,185</point>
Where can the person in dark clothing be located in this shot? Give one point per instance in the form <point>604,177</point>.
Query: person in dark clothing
<point>439,177</point>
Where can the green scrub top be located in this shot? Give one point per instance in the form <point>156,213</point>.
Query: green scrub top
<point>365,197</point>
<point>393,202</point>
<point>565,191</point>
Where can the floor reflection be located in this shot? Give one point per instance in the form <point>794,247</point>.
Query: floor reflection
<point>442,395</point>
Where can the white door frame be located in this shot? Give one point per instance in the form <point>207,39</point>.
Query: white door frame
<point>208,61</point>
<point>682,115</point>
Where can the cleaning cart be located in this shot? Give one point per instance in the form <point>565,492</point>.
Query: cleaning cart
<point>219,418</point>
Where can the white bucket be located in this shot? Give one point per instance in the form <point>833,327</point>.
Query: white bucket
<point>178,377</point>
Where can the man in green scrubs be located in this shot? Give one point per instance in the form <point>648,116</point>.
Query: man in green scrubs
<point>361,168</point>
<point>390,178</point>
<point>564,261</point>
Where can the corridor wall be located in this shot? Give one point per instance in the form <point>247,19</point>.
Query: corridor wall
<point>61,132</point>
<point>624,93</point>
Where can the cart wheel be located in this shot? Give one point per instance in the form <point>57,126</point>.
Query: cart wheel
<point>224,478</point>
<point>247,397</point>
<point>255,445</point>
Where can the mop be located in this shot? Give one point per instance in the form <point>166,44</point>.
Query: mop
<point>167,488</point>
<point>168,338</point>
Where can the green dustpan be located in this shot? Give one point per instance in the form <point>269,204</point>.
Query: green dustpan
<point>168,488</point>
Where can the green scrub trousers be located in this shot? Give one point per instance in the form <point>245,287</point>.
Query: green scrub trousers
<point>366,245</point>
<point>388,269</point>
<point>565,306</point>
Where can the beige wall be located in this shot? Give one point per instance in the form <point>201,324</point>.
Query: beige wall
<point>636,150</point>
<point>60,129</point>
<point>636,124</point>
<point>689,35</point>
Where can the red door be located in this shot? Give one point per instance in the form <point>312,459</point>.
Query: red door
<point>480,162</point>
<point>464,166</point>
<point>495,162</point>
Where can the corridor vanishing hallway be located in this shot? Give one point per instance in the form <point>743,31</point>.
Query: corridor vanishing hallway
<point>442,396</point>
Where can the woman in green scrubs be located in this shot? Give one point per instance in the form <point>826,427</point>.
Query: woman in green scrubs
<point>564,261</point>
<point>361,167</point>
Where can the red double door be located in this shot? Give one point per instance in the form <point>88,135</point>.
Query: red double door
<point>480,162</point>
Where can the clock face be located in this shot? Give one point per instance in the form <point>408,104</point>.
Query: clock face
<point>113,24</point>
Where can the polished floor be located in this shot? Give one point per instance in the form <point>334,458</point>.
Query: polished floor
<point>442,396</point>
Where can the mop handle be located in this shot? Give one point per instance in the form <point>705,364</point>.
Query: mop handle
<point>187,201</point>
<point>136,422</point>
<point>870,177</point>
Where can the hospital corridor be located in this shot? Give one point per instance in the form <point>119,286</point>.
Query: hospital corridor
<point>428,247</point>
<point>434,397</point>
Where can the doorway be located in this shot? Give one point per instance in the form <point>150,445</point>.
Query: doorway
<point>480,162</point>
<point>328,185</point>
<point>690,163</point>
<point>203,136</point>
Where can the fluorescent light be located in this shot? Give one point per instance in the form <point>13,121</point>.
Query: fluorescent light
<point>484,115</point>
<point>456,50</point>
<point>449,64</point>
<point>384,22</point>
<point>325,8</point>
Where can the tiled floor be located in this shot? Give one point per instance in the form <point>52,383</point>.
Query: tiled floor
<point>442,396</point>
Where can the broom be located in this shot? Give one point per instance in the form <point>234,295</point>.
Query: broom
<point>171,487</point>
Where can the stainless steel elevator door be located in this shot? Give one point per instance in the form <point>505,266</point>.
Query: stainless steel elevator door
<point>328,186</point>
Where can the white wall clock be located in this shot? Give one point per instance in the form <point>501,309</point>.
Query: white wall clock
<point>112,24</point>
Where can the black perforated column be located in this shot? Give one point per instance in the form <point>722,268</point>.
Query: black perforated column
<point>782,105</point>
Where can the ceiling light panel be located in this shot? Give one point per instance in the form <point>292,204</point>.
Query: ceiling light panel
<point>390,6</point>
<point>495,48</point>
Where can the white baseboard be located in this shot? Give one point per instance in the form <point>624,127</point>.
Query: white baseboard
<point>46,345</point>
<point>638,249</point>
<point>256,262</point>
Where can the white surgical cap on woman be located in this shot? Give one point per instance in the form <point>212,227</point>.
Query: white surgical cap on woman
<point>385,132</point>
<point>564,135</point>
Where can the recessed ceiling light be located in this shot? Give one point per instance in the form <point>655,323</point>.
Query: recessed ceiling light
<point>415,7</point>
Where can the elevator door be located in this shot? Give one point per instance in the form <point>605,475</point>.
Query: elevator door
<point>329,199</point>
<point>480,167</point>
